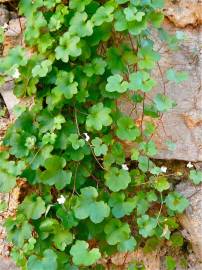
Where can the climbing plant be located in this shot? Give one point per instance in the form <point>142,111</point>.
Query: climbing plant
<point>87,198</point>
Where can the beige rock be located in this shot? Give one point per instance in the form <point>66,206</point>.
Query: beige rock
<point>14,34</point>
<point>184,12</point>
<point>183,124</point>
<point>192,219</point>
<point>4,15</point>
<point>150,261</point>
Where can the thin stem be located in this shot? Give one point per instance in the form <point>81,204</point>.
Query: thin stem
<point>76,121</point>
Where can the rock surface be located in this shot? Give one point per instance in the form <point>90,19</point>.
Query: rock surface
<point>7,264</point>
<point>184,12</point>
<point>183,124</point>
<point>4,15</point>
<point>192,219</point>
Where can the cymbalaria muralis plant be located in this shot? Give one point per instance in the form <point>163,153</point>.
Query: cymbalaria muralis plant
<point>88,200</point>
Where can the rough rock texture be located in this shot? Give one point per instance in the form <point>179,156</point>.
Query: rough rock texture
<point>184,12</point>
<point>12,201</point>
<point>5,1</point>
<point>182,125</point>
<point>9,98</point>
<point>4,15</point>
<point>192,219</point>
<point>7,264</point>
<point>150,261</point>
<point>14,34</point>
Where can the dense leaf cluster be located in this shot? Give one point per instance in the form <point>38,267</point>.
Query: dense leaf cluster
<point>88,199</point>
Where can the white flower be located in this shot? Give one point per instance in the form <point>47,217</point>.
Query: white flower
<point>163,169</point>
<point>61,200</point>
<point>125,167</point>
<point>16,74</point>
<point>87,138</point>
<point>189,165</point>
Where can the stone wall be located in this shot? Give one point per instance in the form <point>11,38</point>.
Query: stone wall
<point>183,124</point>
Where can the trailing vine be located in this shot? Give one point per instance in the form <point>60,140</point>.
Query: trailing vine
<point>89,199</point>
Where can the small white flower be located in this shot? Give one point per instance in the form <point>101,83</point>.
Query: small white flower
<point>61,199</point>
<point>163,169</point>
<point>125,167</point>
<point>16,74</point>
<point>189,165</point>
<point>5,26</point>
<point>87,137</point>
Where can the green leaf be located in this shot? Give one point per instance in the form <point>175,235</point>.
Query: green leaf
<point>145,164</point>
<point>80,26</point>
<point>97,67</point>
<point>62,239</point>
<point>121,1</point>
<point>126,129</point>
<point>1,34</point>
<point>82,255</point>
<point>16,57</point>
<point>120,206</point>
<point>42,69</point>
<point>7,181</point>
<point>65,87</point>
<point>115,155</point>
<point>99,147</point>
<point>68,46</point>
<point>141,203</point>
<point>79,5</point>
<point>158,3</point>
<point>116,83</point>
<point>163,103</point>
<point>141,80</point>
<point>54,173</point>
<point>116,232</point>
<point>49,225</point>
<point>75,141</point>
<point>18,230</point>
<point>99,116</point>
<point>120,21</point>
<point>132,14</point>
<point>161,183</point>
<point>114,60</point>
<point>103,14</point>
<point>177,77</point>
<point>134,154</point>
<point>177,239</point>
<point>33,207</point>
<point>170,263</point>
<point>127,245</point>
<point>116,179</point>
<point>146,225</point>
<point>156,18</point>
<point>176,202</point>
<point>147,58</point>
<point>137,27</point>
<point>48,261</point>
<point>87,206</point>
<point>148,148</point>
<point>196,176</point>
